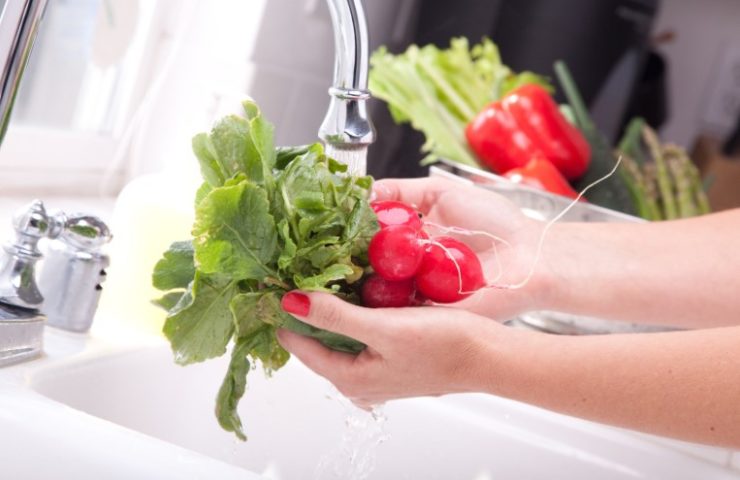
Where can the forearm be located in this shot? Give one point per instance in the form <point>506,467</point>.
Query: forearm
<point>679,384</point>
<point>683,273</point>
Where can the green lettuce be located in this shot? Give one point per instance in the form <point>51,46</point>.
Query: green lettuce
<point>440,91</point>
<point>267,220</point>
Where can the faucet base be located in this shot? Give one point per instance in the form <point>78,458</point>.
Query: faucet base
<point>21,339</point>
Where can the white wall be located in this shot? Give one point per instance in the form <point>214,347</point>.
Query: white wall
<point>280,52</point>
<point>703,29</point>
<point>202,74</point>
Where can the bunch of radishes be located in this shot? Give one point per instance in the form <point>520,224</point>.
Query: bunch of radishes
<point>412,267</point>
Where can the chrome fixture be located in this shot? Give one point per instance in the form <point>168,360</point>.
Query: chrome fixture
<point>347,130</point>
<point>18,262</point>
<point>70,278</point>
<point>19,21</point>
<point>21,324</point>
<point>72,272</point>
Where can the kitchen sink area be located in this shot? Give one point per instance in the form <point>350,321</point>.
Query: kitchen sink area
<point>114,405</point>
<point>101,136</point>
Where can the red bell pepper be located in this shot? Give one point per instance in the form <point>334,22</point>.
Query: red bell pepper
<point>541,173</point>
<point>522,125</point>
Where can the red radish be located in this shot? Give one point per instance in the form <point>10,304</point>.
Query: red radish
<point>419,299</point>
<point>377,292</point>
<point>443,280</point>
<point>395,252</point>
<point>391,212</point>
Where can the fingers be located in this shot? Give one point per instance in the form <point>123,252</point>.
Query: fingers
<point>421,193</point>
<point>324,361</point>
<point>328,312</point>
<point>342,369</point>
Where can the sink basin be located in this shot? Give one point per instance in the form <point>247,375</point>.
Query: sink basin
<point>139,397</point>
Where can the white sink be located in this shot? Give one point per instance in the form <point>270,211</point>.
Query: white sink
<point>96,409</point>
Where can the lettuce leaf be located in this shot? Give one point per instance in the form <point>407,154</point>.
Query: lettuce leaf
<point>176,269</point>
<point>235,233</point>
<point>200,325</point>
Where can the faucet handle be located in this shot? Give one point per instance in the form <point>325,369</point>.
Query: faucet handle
<point>81,237</point>
<point>81,231</point>
<point>18,259</point>
<point>32,220</point>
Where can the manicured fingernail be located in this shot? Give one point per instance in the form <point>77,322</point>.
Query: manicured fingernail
<point>296,303</point>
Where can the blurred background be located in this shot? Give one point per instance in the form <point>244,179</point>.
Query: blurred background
<point>116,88</point>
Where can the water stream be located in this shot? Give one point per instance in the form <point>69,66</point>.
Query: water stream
<point>355,456</point>
<point>355,159</point>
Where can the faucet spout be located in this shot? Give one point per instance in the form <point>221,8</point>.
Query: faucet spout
<point>19,22</point>
<point>347,130</point>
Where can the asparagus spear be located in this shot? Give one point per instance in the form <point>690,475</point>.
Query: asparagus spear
<point>684,189</point>
<point>691,172</point>
<point>662,176</point>
<point>651,191</point>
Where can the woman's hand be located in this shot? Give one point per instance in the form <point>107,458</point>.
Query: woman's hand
<point>427,350</point>
<point>446,203</point>
<point>411,352</point>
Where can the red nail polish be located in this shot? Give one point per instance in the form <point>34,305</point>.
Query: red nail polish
<point>296,303</point>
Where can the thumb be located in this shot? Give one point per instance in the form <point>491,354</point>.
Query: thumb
<point>328,312</point>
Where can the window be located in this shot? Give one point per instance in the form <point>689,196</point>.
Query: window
<point>89,69</point>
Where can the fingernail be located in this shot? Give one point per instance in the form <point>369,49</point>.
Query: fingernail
<point>296,303</point>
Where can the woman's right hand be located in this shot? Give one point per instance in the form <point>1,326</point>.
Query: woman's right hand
<point>445,203</point>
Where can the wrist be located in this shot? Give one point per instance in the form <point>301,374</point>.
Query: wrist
<point>564,261</point>
<point>507,360</point>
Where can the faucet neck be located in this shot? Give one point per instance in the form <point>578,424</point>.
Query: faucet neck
<point>347,130</point>
<point>19,22</point>
<point>351,43</point>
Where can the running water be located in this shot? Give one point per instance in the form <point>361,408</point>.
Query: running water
<point>355,457</point>
<point>354,158</point>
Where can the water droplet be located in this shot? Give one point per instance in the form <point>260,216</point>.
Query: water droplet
<point>355,457</point>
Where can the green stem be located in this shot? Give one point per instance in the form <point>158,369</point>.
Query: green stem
<point>630,143</point>
<point>651,193</point>
<point>684,191</point>
<point>465,111</point>
<point>583,118</point>
<point>276,282</point>
<point>691,172</point>
<point>635,182</point>
<point>662,175</point>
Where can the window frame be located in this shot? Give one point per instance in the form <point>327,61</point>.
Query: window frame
<point>90,161</point>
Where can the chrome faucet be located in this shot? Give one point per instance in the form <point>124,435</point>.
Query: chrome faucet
<point>347,130</point>
<point>69,283</point>
<point>19,22</point>
<point>21,324</point>
<point>68,288</point>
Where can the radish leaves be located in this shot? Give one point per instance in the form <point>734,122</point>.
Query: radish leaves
<point>268,220</point>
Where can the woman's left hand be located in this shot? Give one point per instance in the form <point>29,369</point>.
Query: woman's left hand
<point>410,352</point>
